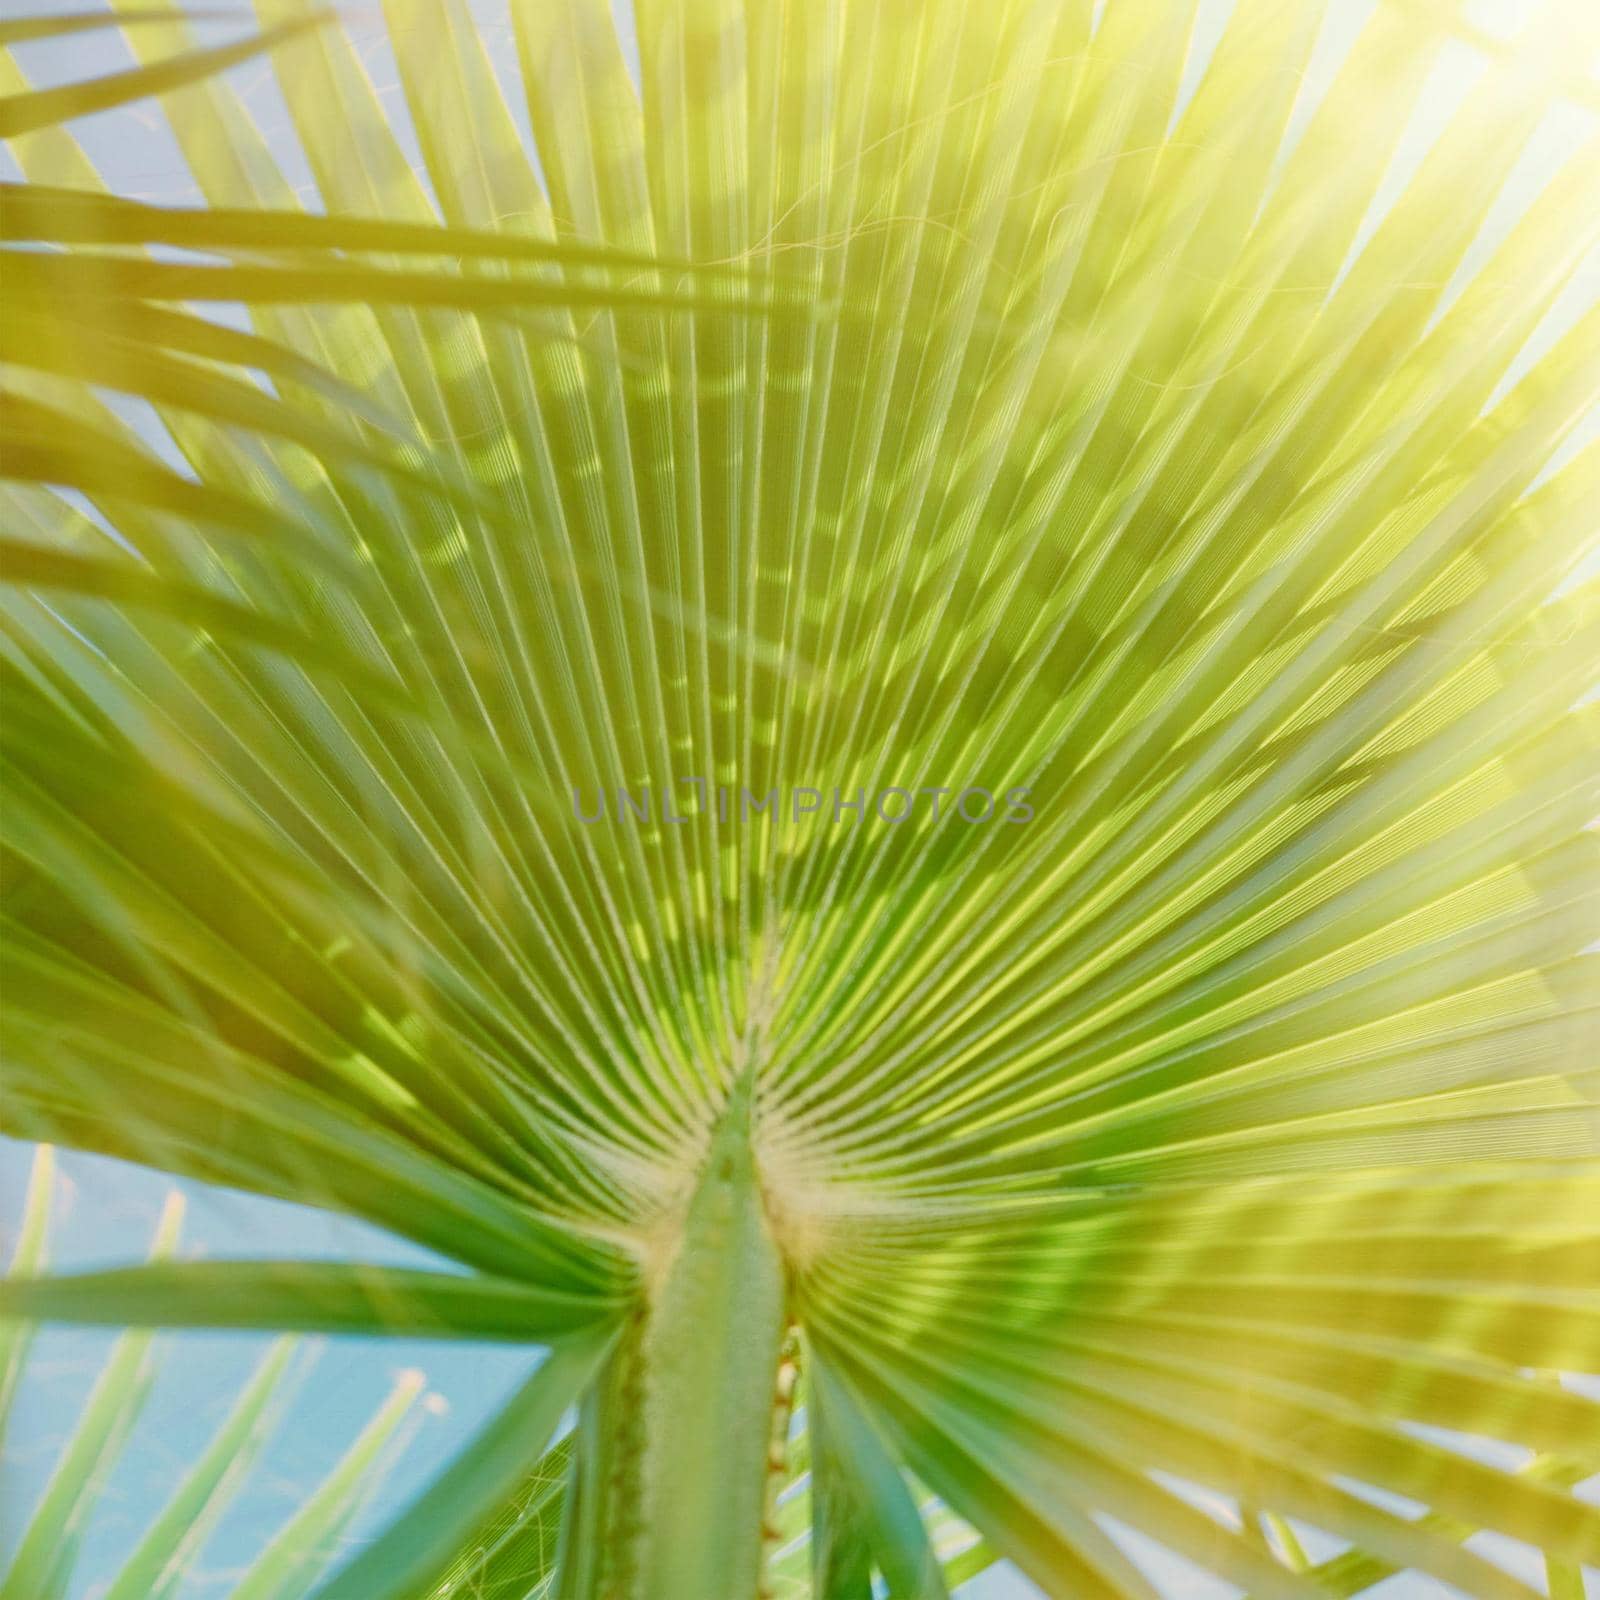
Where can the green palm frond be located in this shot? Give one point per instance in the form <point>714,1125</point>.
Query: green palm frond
<point>26,110</point>
<point>1079,553</point>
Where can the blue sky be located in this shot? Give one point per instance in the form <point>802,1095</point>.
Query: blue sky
<point>105,1212</point>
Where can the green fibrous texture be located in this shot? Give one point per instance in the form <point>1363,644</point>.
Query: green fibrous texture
<point>886,705</point>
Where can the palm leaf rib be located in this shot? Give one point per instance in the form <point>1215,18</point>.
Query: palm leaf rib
<point>876,403</point>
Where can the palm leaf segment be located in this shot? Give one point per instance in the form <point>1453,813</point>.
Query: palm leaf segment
<point>1028,422</point>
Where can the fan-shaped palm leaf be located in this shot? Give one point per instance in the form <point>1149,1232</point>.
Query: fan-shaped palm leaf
<point>1071,608</point>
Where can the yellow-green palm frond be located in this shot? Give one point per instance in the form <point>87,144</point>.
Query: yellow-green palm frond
<point>892,699</point>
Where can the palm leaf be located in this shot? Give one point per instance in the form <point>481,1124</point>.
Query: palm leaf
<point>25,111</point>
<point>913,402</point>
